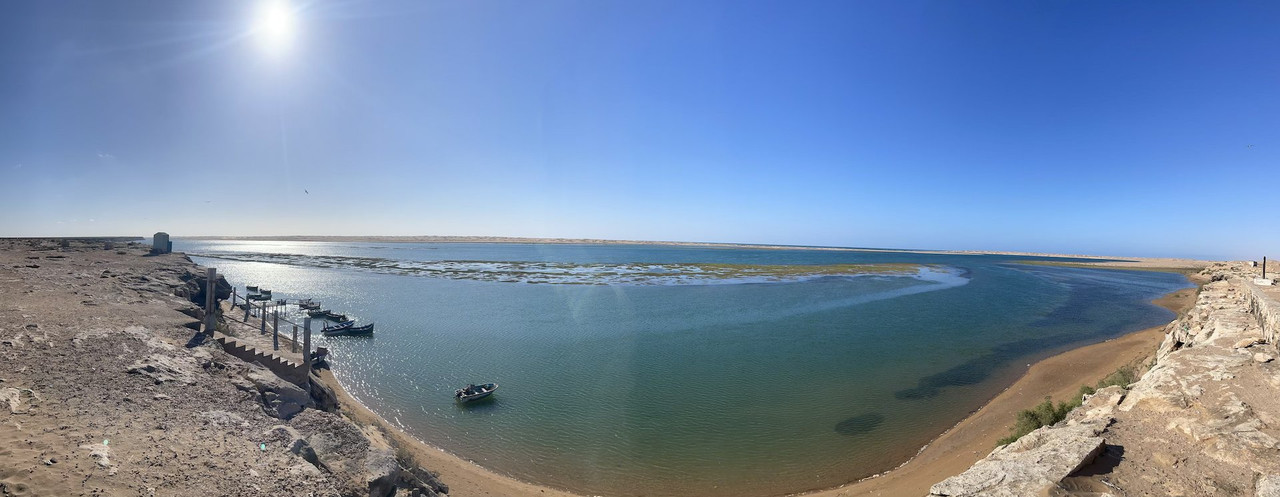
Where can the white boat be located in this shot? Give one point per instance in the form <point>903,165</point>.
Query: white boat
<point>474,392</point>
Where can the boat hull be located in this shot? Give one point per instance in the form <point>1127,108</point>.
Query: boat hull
<point>366,330</point>
<point>489,388</point>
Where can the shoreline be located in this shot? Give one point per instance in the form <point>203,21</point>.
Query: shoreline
<point>1057,376</point>
<point>464,477</point>
<point>950,453</point>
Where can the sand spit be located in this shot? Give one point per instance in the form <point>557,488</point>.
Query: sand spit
<point>102,392</point>
<point>1103,261</point>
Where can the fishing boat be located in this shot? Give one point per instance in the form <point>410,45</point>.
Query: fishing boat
<point>347,331</point>
<point>308,304</point>
<point>318,313</point>
<point>251,288</point>
<point>333,316</point>
<point>340,326</point>
<point>474,392</point>
<point>258,297</point>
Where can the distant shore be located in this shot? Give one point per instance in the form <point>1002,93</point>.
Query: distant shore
<point>1122,262</point>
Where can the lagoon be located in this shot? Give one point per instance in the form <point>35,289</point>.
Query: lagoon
<point>665,370</point>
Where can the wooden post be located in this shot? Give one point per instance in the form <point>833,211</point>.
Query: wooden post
<point>293,344</point>
<point>1264,267</point>
<point>210,300</point>
<point>246,308</point>
<point>275,330</point>
<point>306,342</point>
<point>262,328</point>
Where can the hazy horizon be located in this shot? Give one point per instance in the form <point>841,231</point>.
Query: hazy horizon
<point>558,240</point>
<point>1056,127</point>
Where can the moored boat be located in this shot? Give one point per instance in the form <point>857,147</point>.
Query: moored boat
<point>318,313</point>
<point>251,288</point>
<point>474,392</point>
<point>339,326</point>
<point>333,316</point>
<point>349,330</point>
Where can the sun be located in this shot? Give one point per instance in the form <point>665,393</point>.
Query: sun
<point>275,26</point>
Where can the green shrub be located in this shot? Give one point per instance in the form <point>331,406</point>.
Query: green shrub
<point>1046,413</point>
<point>1043,414</point>
<point>1123,377</point>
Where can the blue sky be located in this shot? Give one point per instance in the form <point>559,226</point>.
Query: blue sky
<point>1125,128</point>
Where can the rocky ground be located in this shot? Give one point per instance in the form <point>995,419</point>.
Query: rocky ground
<point>1204,420</point>
<point>103,392</point>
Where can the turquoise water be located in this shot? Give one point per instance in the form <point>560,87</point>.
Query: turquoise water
<point>627,370</point>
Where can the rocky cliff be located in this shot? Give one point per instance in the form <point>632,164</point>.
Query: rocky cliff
<point>1204,420</point>
<point>103,392</point>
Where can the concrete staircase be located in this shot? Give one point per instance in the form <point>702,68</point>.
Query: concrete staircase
<point>292,371</point>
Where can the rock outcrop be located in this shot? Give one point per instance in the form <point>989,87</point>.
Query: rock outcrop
<point>194,282</point>
<point>1204,420</point>
<point>103,392</point>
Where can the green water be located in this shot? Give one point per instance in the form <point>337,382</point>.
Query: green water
<point>672,384</point>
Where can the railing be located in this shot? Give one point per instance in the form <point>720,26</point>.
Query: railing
<point>262,307</point>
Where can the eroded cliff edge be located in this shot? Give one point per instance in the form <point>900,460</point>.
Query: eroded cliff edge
<point>104,392</point>
<point>1204,420</point>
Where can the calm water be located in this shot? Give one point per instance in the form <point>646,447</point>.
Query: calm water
<point>672,384</point>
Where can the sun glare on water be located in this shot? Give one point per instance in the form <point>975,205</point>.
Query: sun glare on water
<point>275,26</point>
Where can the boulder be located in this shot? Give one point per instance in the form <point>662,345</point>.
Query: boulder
<point>1248,342</point>
<point>298,445</point>
<point>323,397</point>
<point>13,398</point>
<point>280,398</point>
<point>1033,465</point>
<point>194,284</point>
<point>1262,357</point>
<point>1268,486</point>
<point>162,368</point>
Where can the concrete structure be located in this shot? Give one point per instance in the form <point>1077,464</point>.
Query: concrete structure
<point>290,371</point>
<point>160,243</point>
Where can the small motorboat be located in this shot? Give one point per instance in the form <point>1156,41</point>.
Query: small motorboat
<point>349,330</point>
<point>308,305</point>
<point>318,313</point>
<point>251,288</point>
<point>474,392</point>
